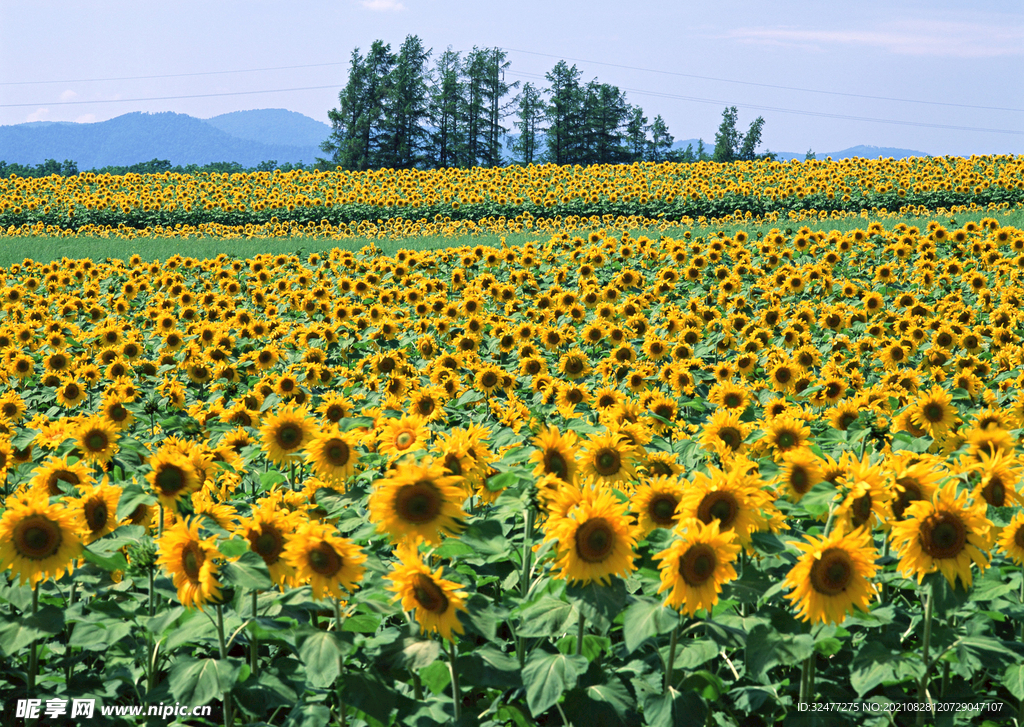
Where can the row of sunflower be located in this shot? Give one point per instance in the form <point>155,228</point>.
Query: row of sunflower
<point>605,479</point>
<point>644,189</point>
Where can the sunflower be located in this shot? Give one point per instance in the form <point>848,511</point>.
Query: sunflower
<point>732,497</point>
<point>37,540</point>
<point>608,459</point>
<point>555,454</point>
<point>70,393</point>
<point>268,530</point>
<point>56,470</point>
<point>654,503</point>
<point>997,476</point>
<point>1011,539</point>
<point>418,500</point>
<point>96,510</point>
<point>435,602</point>
<point>654,464</point>
<point>943,534</point>
<point>285,433</point>
<point>328,561</point>
<point>869,492</point>
<point>724,434</point>
<point>332,454</point>
<point>696,565</point>
<point>933,411</point>
<point>729,396</point>
<point>173,477</point>
<point>915,477</point>
<point>193,563</point>
<point>595,538</point>
<point>801,470</point>
<point>833,576</point>
<point>115,413</point>
<point>401,436</point>
<point>786,433</point>
<point>97,440</point>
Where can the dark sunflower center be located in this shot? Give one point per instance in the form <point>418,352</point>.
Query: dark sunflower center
<point>268,544</point>
<point>785,439</point>
<point>799,480</point>
<point>324,560</point>
<point>832,573</point>
<point>337,453</point>
<point>37,538</point>
<point>911,491</point>
<point>594,540</point>
<point>96,441</point>
<point>451,463</point>
<point>425,406</point>
<point>554,463</point>
<point>71,391</point>
<point>170,479</point>
<point>334,413</point>
<point>994,492</point>
<point>731,437</point>
<point>418,503</point>
<point>698,564</point>
<point>404,440</point>
<point>61,476</point>
<point>1018,538</point>
<point>662,509</point>
<point>574,365</point>
<point>117,413</point>
<point>289,436</point>
<point>192,560</point>
<point>732,401</point>
<point>721,506</point>
<point>934,413</point>
<point>783,376</point>
<point>96,515</point>
<point>607,462</point>
<point>943,535</point>
<point>429,595</point>
<point>861,510</point>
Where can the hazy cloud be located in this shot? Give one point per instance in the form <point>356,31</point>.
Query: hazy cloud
<point>38,115</point>
<point>86,119</point>
<point>914,38</point>
<point>383,5</point>
<point>68,95</point>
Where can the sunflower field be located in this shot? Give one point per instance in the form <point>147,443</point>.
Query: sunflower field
<point>594,479</point>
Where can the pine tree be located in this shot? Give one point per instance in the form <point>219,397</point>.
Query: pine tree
<point>727,139</point>
<point>530,116</point>
<point>445,111</point>
<point>495,90</point>
<point>563,111</point>
<point>404,136</point>
<point>344,143</point>
<point>661,140</point>
<point>751,140</point>
<point>636,134</point>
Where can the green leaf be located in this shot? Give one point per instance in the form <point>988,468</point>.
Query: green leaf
<point>696,653</point>
<point>486,666</point>
<point>549,616</point>
<point>767,647</point>
<point>99,635</point>
<point>646,619</point>
<point>673,708</point>
<point>368,694</point>
<point>270,478</point>
<point>249,572</point>
<point>361,623</point>
<point>22,631</point>
<point>436,677</point>
<point>320,655</point>
<point>1013,680</point>
<point>308,715</point>
<point>106,562</point>
<point>816,502</point>
<point>132,496</point>
<point>197,682</point>
<point>547,676</point>
<point>598,603</point>
<point>420,653</point>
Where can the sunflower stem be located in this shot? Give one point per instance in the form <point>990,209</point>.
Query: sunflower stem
<point>160,522</point>
<point>456,692</point>
<point>671,663</point>
<point>254,644</point>
<point>228,717</point>
<point>33,655</point>
<point>579,634</point>
<point>922,685</point>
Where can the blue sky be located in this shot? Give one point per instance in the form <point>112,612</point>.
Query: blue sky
<point>825,76</point>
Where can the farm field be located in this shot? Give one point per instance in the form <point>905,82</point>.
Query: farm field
<point>517,467</point>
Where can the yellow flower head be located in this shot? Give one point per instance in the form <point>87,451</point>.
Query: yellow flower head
<point>37,540</point>
<point>417,500</point>
<point>436,602</point>
<point>193,563</point>
<point>595,538</point>
<point>833,576</point>
<point>696,565</point>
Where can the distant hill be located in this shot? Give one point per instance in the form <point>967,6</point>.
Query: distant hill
<point>866,152</point>
<point>273,126</point>
<point>179,138</point>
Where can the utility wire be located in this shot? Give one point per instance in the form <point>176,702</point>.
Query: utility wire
<point>769,85</point>
<point>821,114</point>
<point>167,75</point>
<point>169,98</point>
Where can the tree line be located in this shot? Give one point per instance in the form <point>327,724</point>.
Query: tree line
<point>69,168</point>
<point>398,111</point>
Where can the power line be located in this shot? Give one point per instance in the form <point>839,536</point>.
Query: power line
<point>169,98</point>
<point>820,114</point>
<point>769,85</point>
<point>168,75</point>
